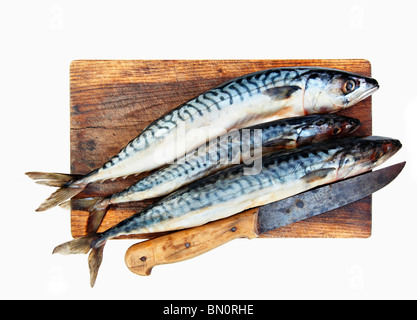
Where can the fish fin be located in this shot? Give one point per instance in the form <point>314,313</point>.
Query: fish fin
<point>77,246</point>
<point>51,183</point>
<point>66,205</point>
<point>66,182</point>
<point>52,179</point>
<point>280,93</point>
<point>83,246</point>
<point>94,261</point>
<point>317,175</point>
<point>80,203</point>
<point>97,213</point>
<point>96,206</point>
<point>59,196</point>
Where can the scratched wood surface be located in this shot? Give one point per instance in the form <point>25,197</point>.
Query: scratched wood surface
<point>113,101</point>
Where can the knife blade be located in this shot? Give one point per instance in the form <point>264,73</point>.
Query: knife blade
<point>314,202</point>
<point>181,245</point>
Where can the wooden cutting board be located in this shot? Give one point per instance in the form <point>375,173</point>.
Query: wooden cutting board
<point>113,101</point>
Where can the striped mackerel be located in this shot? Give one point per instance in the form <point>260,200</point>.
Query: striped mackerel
<point>230,191</point>
<point>248,100</point>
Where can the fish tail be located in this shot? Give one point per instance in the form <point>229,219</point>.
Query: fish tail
<point>97,213</point>
<point>62,194</point>
<point>78,246</point>
<point>69,186</point>
<point>94,261</point>
<point>52,179</point>
<point>97,208</point>
<point>83,204</point>
<point>83,246</point>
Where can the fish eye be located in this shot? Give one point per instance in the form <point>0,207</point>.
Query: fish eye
<point>349,86</point>
<point>347,160</point>
<point>320,122</point>
<point>378,154</point>
<point>336,130</point>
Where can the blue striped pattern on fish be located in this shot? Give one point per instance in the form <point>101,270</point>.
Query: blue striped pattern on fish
<point>248,100</point>
<point>282,175</point>
<point>225,151</point>
<point>277,84</point>
<point>230,191</point>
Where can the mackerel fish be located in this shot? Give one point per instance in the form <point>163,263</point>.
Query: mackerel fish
<point>235,147</point>
<point>229,191</point>
<point>245,101</point>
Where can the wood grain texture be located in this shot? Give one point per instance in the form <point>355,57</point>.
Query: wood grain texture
<point>113,101</point>
<point>182,245</point>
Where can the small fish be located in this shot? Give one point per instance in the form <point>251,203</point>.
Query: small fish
<point>229,191</point>
<point>245,101</point>
<point>219,154</point>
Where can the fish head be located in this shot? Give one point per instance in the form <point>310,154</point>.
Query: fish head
<point>344,126</point>
<point>325,127</point>
<point>333,90</point>
<point>365,154</point>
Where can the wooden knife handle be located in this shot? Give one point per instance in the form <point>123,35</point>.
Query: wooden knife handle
<point>181,245</point>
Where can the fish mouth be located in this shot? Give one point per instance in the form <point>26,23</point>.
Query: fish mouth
<point>393,146</point>
<point>365,94</point>
<point>368,92</point>
<point>354,124</point>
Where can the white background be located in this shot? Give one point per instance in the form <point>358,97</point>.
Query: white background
<point>39,39</point>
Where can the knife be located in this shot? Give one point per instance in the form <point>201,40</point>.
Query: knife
<point>181,245</point>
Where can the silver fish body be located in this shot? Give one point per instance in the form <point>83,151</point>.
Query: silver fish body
<point>234,148</point>
<point>244,145</point>
<point>230,191</point>
<point>251,99</point>
<point>283,174</point>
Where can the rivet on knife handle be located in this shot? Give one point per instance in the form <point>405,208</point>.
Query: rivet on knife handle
<point>189,243</point>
